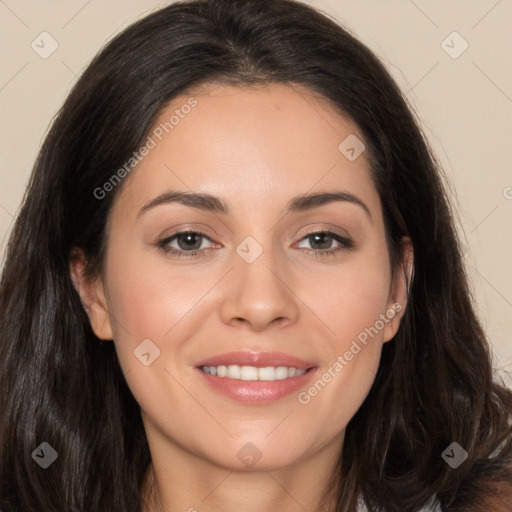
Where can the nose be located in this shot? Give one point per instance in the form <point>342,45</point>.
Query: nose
<point>257,295</point>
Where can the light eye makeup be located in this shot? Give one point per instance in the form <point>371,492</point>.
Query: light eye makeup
<point>193,243</point>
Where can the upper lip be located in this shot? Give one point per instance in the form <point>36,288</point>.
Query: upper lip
<point>257,359</point>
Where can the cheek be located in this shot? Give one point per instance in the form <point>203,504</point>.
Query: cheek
<point>360,300</point>
<point>338,391</point>
<point>149,308</point>
<point>148,302</point>
<point>356,308</point>
<point>149,297</point>
<point>352,297</point>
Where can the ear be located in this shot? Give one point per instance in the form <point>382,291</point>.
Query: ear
<point>92,295</point>
<point>399,290</point>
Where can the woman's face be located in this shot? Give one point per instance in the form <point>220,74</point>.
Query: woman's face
<point>284,279</point>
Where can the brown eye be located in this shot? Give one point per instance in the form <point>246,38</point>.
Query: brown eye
<point>185,243</point>
<point>325,242</point>
<point>189,241</point>
<point>320,241</point>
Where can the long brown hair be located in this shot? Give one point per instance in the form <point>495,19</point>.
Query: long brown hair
<point>61,385</point>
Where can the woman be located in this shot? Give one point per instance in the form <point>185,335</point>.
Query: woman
<point>235,284</point>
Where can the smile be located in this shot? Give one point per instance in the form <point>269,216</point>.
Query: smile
<point>252,373</point>
<point>256,377</point>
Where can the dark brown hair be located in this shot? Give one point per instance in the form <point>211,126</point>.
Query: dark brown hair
<point>61,385</point>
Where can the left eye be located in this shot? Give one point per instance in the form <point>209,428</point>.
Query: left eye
<point>323,241</point>
<point>188,241</point>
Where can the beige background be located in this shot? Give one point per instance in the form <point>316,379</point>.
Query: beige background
<point>465,104</point>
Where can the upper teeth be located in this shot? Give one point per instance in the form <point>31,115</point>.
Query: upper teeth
<point>252,373</point>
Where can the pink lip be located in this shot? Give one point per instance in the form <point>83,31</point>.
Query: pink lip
<point>256,392</point>
<point>257,359</point>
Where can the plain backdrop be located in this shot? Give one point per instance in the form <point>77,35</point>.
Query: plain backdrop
<point>453,60</point>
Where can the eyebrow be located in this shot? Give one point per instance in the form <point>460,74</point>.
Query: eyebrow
<point>211,203</point>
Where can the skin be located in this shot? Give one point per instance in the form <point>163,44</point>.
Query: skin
<point>256,148</point>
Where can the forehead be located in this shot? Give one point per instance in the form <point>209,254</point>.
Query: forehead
<point>252,144</point>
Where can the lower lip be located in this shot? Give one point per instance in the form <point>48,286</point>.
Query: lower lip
<point>255,391</point>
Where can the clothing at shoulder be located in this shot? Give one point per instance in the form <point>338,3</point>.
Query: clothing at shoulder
<point>432,506</point>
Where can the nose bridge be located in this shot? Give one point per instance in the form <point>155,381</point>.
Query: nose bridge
<point>258,293</point>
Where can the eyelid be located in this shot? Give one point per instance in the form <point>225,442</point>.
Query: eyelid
<point>321,227</point>
<point>196,227</point>
<point>186,232</point>
<point>345,243</point>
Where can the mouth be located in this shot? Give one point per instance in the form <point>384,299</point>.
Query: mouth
<point>253,373</point>
<point>256,378</point>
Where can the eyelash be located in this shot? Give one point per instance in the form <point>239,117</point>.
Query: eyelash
<point>345,244</point>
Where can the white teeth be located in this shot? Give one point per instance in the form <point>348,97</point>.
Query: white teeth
<point>268,373</point>
<point>233,371</point>
<point>281,372</point>
<point>249,373</point>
